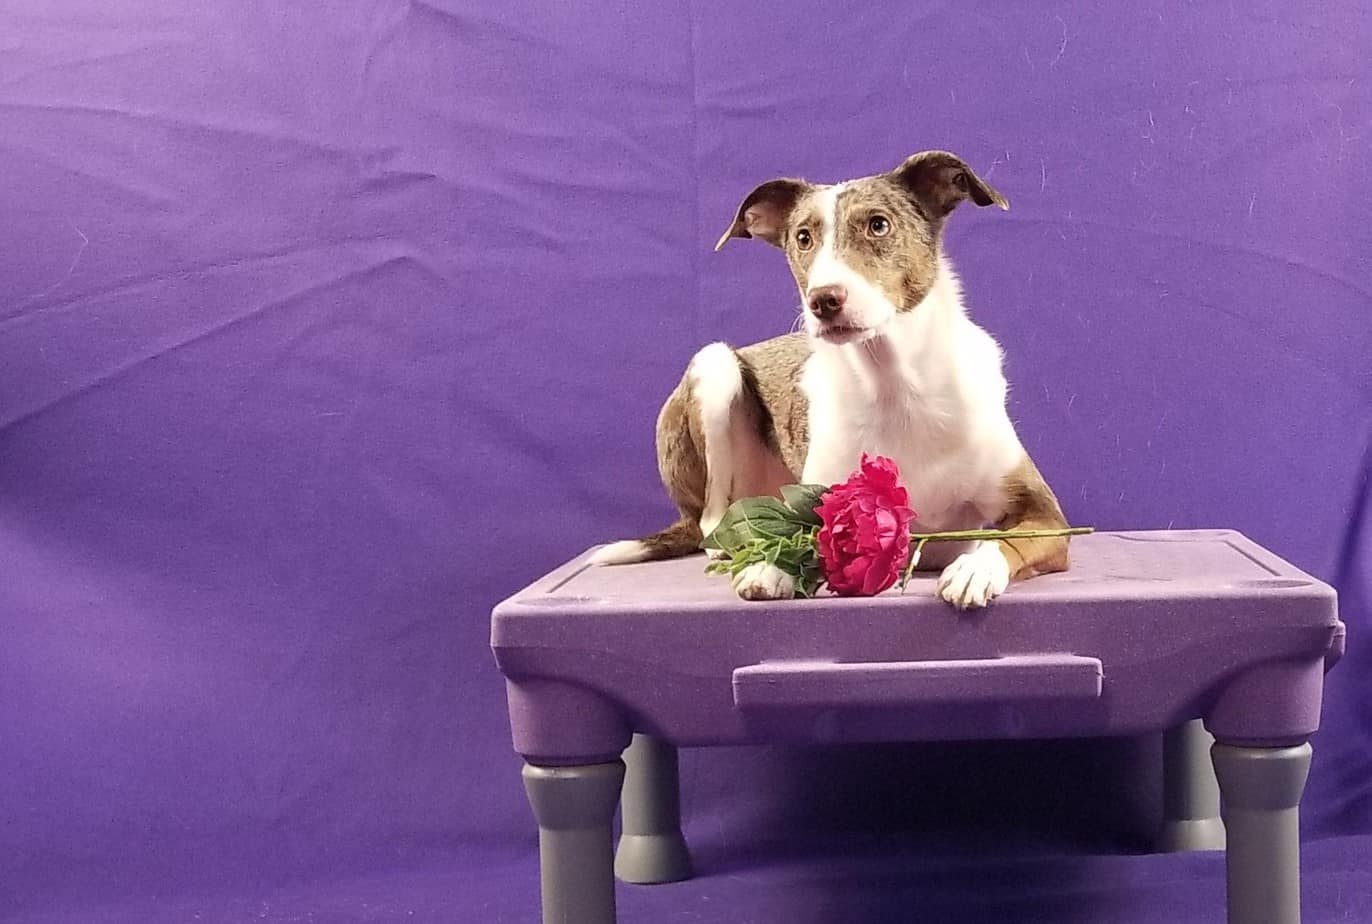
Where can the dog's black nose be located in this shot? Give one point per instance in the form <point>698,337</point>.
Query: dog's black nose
<point>827,301</point>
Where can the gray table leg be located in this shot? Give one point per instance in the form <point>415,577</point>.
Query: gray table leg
<point>651,848</point>
<point>575,808</point>
<point>1190,792</point>
<point>1260,790</point>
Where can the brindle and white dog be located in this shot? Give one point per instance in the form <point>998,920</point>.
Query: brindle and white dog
<point>888,364</point>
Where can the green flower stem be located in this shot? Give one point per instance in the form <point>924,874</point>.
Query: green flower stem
<point>966,535</point>
<point>912,564</point>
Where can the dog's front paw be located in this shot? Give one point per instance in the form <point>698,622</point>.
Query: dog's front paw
<point>975,578</point>
<point>716,554</point>
<point>764,582</point>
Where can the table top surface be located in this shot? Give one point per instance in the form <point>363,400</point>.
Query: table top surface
<point>1155,570</point>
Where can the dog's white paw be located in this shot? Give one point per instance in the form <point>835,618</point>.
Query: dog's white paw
<point>716,554</point>
<point>764,582</point>
<point>975,578</point>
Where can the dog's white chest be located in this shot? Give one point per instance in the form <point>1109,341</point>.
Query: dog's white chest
<point>953,446</point>
<point>935,462</point>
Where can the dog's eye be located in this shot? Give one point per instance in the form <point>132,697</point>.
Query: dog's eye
<point>803,239</point>
<point>879,225</point>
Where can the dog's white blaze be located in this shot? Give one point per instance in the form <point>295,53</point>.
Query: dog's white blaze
<point>827,201</point>
<point>716,385</point>
<point>827,269</point>
<point>866,306</point>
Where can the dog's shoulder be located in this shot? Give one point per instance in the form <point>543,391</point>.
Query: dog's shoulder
<point>777,359</point>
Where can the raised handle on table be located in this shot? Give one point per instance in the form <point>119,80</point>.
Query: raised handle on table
<point>1015,678</point>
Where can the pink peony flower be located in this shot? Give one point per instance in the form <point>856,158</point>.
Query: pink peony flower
<point>864,542</point>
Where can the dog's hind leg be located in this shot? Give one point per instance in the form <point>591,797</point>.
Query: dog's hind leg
<point>716,382</point>
<point>736,428</point>
<point>715,445</point>
<point>739,461</point>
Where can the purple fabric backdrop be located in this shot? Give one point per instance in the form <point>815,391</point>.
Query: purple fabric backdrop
<point>322,329</point>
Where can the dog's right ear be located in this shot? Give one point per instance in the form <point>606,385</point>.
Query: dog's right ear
<point>764,212</point>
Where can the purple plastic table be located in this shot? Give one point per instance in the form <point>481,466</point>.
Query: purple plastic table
<point>1147,632</point>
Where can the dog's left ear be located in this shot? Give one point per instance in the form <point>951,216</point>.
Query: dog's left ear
<point>940,181</point>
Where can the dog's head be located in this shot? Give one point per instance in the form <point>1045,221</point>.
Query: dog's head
<point>866,250</point>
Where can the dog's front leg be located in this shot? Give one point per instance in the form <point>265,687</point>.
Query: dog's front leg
<point>764,582</point>
<point>975,578</point>
<point>1026,502</point>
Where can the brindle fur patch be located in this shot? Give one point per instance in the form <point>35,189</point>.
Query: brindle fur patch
<point>1031,504</point>
<point>681,452</point>
<point>805,216</point>
<point>772,375</point>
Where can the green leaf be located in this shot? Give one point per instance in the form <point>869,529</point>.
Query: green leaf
<point>724,536</point>
<point>803,499</point>
<point>764,508</point>
<point>753,518</point>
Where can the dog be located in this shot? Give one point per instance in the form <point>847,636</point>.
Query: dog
<point>888,363</point>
